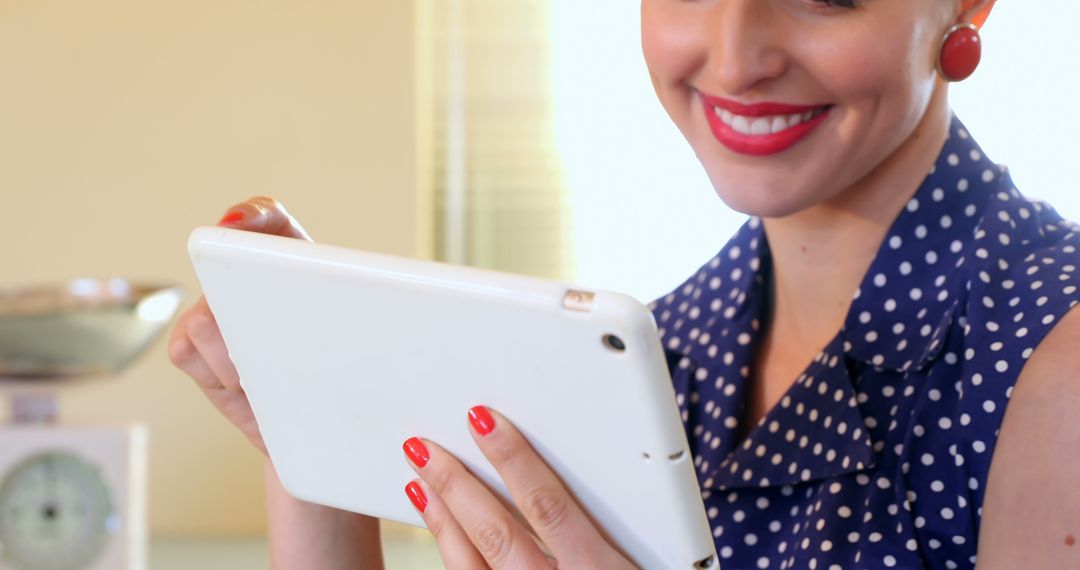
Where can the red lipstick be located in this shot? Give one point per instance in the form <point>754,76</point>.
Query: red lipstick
<point>757,130</point>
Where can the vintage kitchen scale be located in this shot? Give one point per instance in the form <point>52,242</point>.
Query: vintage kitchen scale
<point>72,497</point>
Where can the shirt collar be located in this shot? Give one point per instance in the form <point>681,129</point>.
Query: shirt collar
<point>909,296</point>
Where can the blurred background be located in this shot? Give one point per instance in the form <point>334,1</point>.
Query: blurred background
<point>520,135</point>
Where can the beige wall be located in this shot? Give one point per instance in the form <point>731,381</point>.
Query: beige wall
<point>125,123</point>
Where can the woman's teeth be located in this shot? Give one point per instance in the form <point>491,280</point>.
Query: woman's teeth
<point>764,125</point>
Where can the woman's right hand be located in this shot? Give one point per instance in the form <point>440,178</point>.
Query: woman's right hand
<point>301,534</point>
<point>195,344</point>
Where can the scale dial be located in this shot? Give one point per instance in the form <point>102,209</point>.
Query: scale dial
<point>55,513</point>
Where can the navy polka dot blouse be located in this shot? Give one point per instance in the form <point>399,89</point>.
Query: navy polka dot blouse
<point>877,456</point>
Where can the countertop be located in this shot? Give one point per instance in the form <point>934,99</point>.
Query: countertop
<point>404,548</point>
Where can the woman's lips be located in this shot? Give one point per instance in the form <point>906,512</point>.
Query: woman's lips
<point>761,129</point>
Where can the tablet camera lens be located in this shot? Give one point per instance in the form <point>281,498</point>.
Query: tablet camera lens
<point>614,343</point>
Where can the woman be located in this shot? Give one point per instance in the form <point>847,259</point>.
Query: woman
<point>935,428</point>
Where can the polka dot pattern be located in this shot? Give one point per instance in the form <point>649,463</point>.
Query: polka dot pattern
<point>877,455</point>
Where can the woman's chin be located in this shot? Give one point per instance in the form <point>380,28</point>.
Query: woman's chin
<point>763,202</point>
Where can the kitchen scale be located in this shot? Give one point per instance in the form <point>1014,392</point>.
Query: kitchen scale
<point>73,497</point>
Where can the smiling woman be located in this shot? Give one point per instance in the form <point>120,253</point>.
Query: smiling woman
<point>879,368</point>
<point>625,166</point>
<point>838,430</point>
<point>856,67</point>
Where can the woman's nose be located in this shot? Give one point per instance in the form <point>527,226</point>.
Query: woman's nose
<point>746,45</point>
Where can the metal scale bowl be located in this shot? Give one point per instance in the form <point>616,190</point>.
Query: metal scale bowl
<point>73,497</point>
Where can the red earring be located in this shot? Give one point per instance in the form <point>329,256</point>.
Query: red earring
<point>961,51</point>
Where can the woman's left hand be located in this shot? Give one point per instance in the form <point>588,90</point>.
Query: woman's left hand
<point>473,528</point>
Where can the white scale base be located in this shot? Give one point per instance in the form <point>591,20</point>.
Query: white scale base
<point>118,454</point>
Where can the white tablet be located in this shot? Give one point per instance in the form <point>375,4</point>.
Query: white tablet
<point>346,354</point>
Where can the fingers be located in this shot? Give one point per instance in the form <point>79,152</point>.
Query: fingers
<point>206,336</point>
<point>198,349</point>
<point>539,494</point>
<point>499,539</point>
<point>457,551</point>
<point>185,356</point>
<point>266,215</point>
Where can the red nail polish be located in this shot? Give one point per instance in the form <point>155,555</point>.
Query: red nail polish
<point>416,451</point>
<point>416,495</point>
<point>481,420</point>
<point>231,218</point>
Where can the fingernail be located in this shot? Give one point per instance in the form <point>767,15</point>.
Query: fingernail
<point>416,495</point>
<point>231,218</point>
<point>481,420</point>
<point>415,450</point>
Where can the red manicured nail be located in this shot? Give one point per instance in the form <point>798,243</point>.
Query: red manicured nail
<point>481,420</point>
<point>231,218</point>
<point>416,451</point>
<point>416,495</point>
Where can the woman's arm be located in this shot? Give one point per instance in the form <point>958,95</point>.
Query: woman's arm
<point>1031,514</point>
<point>304,535</point>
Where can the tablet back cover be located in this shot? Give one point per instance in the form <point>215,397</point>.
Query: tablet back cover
<point>345,354</point>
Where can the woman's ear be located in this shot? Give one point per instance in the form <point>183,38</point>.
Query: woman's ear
<point>976,11</point>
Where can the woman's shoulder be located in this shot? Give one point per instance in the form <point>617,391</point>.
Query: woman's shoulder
<point>1022,276</point>
<point>1031,501</point>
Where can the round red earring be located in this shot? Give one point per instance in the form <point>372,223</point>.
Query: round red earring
<point>961,51</point>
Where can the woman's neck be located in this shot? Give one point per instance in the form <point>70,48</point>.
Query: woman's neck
<point>821,254</point>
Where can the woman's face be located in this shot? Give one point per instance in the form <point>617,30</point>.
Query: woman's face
<point>787,103</point>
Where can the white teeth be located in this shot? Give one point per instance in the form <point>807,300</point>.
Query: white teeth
<point>725,116</point>
<point>759,126</point>
<point>741,124</point>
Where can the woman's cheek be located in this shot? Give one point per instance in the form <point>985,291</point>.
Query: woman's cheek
<point>874,84</point>
<point>674,41</point>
